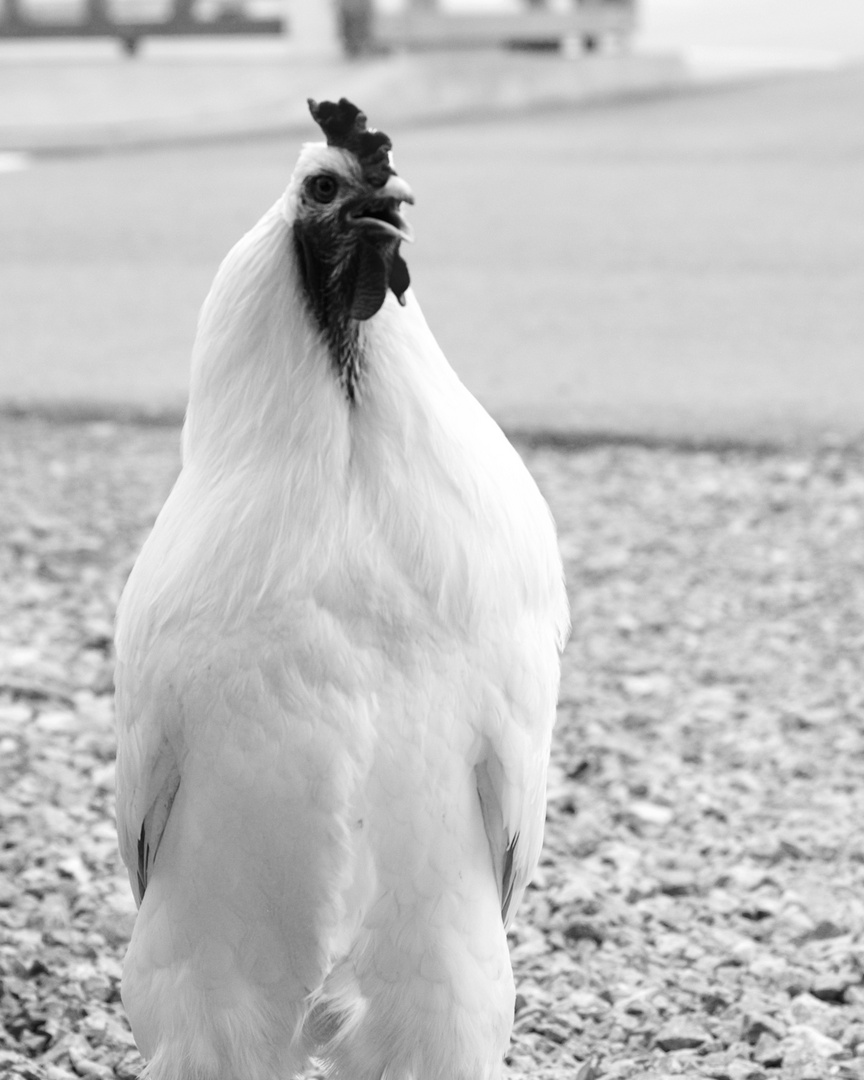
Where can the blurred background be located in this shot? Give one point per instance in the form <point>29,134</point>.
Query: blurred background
<point>635,218</point>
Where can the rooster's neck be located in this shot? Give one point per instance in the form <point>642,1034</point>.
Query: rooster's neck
<point>264,384</point>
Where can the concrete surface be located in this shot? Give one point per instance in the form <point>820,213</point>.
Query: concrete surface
<point>686,267</point>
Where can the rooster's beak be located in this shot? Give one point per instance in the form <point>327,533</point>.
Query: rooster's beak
<point>381,212</point>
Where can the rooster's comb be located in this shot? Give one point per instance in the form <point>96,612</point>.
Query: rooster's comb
<point>344,125</point>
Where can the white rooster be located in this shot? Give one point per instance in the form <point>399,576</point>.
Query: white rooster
<point>338,660</point>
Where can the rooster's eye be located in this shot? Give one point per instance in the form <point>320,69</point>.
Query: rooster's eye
<point>323,188</point>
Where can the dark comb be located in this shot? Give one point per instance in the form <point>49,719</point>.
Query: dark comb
<point>344,125</point>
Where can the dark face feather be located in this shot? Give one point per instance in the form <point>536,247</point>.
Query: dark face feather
<point>347,235</point>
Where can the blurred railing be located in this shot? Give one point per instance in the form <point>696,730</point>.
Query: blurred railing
<point>420,24</point>
<point>540,25</point>
<point>102,18</point>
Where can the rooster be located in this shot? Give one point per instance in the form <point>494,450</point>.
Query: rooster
<point>337,669</point>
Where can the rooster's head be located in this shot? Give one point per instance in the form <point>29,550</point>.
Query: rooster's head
<point>345,200</point>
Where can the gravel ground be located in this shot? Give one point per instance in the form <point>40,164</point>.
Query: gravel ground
<point>699,908</point>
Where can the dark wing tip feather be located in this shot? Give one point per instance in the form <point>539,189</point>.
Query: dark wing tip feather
<point>508,879</point>
<point>143,860</point>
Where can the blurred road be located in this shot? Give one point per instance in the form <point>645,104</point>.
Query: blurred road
<point>86,95</point>
<point>686,267</point>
